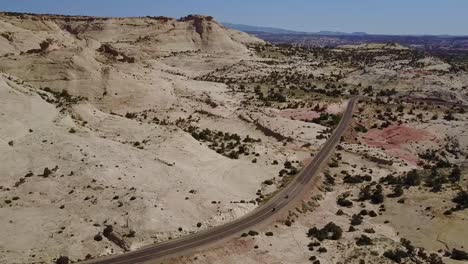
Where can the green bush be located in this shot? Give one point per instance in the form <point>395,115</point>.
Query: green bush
<point>342,201</point>
<point>330,231</point>
<point>397,192</point>
<point>364,240</point>
<point>459,255</point>
<point>455,175</point>
<point>62,260</point>
<point>396,255</point>
<point>356,220</point>
<point>461,199</point>
<point>253,233</point>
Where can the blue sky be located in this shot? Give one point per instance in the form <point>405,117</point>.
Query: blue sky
<point>372,16</point>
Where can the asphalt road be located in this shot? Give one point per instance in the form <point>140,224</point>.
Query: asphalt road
<point>299,185</point>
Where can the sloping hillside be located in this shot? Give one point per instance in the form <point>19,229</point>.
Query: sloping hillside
<point>96,57</point>
<point>104,124</point>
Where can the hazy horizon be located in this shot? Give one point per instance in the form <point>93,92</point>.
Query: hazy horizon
<point>398,17</point>
<point>348,32</point>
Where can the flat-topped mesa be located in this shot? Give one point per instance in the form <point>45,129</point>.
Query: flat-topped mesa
<point>197,18</point>
<point>198,22</point>
<point>67,18</point>
<point>161,18</point>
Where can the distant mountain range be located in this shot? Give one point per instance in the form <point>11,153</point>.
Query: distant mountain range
<point>272,30</point>
<point>438,44</point>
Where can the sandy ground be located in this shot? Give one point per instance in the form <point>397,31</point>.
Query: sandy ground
<point>107,168</point>
<point>101,122</point>
<point>419,219</point>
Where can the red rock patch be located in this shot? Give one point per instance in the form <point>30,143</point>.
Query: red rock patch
<point>394,138</point>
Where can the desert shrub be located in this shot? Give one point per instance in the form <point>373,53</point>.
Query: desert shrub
<point>268,182</point>
<point>130,115</point>
<point>333,164</point>
<point>356,220</point>
<point>131,233</point>
<point>47,172</point>
<point>356,179</point>
<point>377,196</point>
<point>435,181</point>
<point>326,119</point>
<point>434,259</point>
<point>367,178</point>
<point>282,172</point>
<point>459,255</point>
<point>372,214</point>
<point>400,108</point>
<point>407,244</point>
<point>386,92</point>
<point>211,103</point>
<point>226,144</point>
<point>455,175</point>
<point>412,178</point>
<point>449,116</point>
<point>364,240</point>
<point>365,193</point>
<point>429,155</point>
<point>322,250</point>
<point>361,129</point>
<point>461,199</point>
<point>107,230</point>
<point>253,233</point>
<point>293,171</point>
<point>311,245</point>
<point>391,180</point>
<point>368,90</point>
<point>396,255</point>
<point>62,260</point>
<point>329,231</point>
<point>397,192</point>
<point>98,237</point>
<point>233,155</point>
<point>342,201</point>
<point>329,179</point>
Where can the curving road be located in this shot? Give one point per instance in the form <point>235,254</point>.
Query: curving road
<point>293,190</point>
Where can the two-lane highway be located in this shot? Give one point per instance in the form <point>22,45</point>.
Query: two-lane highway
<point>298,186</point>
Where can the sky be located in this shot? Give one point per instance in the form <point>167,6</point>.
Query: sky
<point>371,16</point>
